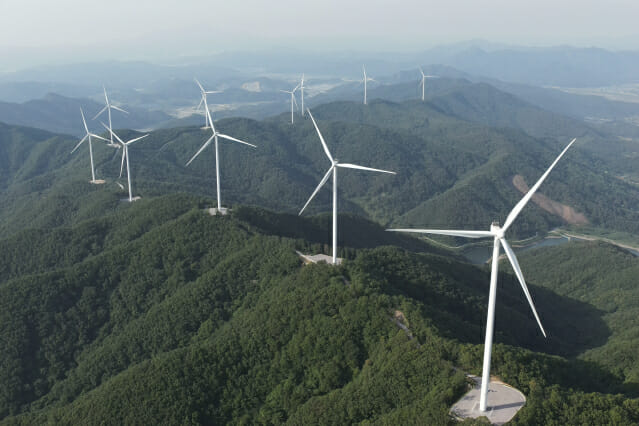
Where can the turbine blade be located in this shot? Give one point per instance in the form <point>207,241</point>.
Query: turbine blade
<point>295,102</point>
<point>467,234</point>
<point>136,139</point>
<point>112,132</point>
<point>122,162</point>
<point>119,109</point>
<point>328,153</point>
<point>93,135</point>
<point>101,111</point>
<point>522,203</point>
<point>200,150</point>
<point>235,140</point>
<point>422,71</point>
<point>198,83</point>
<point>370,169</point>
<point>200,104</point>
<point>83,120</point>
<point>322,182</point>
<point>513,261</point>
<point>210,119</point>
<point>80,143</point>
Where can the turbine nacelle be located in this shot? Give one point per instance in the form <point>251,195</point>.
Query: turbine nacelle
<point>496,230</point>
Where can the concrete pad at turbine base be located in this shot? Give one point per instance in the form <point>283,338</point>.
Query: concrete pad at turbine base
<point>98,182</point>
<point>221,211</point>
<point>131,200</point>
<point>318,258</point>
<point>503,402</point>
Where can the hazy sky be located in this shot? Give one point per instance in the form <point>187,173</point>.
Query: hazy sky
<point>126,29</point>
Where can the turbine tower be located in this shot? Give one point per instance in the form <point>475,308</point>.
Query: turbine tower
<point>89,135</point>
<point>497,233</point>
<point>214,137</point>
<point>125,156</point>
<point>366,79</point>
<point>203,101</point>
<point>293,101</point>
<point>302,92</point>
<point>333,169</point>
<point>108,107</point>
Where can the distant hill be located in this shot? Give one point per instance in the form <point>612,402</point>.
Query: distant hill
<point>552,66</point>
<point>60,114</point>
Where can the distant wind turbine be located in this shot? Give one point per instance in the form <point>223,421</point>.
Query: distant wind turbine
<point>293,101</point>
<point>88,136</point>
<point>497,234</point>
<point>333,169</point>
<point>204,101</point>
<point>214,137</point>
<point>423,82</point>
<point>302,93</point>
<point>125,156</point>
<point>365,80</point>
<point>108,107</point>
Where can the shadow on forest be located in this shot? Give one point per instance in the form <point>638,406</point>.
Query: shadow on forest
<point>353,231</point>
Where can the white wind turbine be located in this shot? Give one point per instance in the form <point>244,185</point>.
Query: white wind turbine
<point>108,107</point>
<point>214,137</point>
<point>293,101</point>
<point>366,79</point>
<point>302,93</point>
<point>89,135</point>
<point>125,156</point>
<point>203,101</point>
<point>333,169</point>
<point>423,82</point>
<point>497,234</point>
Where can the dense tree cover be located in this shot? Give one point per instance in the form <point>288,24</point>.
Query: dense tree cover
<point>605,277</point>
<point>169,315</point>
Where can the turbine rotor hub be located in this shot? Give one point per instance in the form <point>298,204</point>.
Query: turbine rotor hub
<point>496,230</point>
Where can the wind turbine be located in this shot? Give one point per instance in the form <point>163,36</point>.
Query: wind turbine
<point>423,82</point>
<point>333,169</point>
<point>203,101</point>
<point>125,156</point>
<point>497,233</point>
<point>214,137</point>
<point>302,91</point>
<point>89,135</point>
<point>108,107</point>
<point>366,79</point>
<point>293,101</point>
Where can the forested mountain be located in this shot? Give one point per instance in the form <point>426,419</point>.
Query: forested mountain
<point>156,312</point>
<point>161,313</point>
<point>453,171</point>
